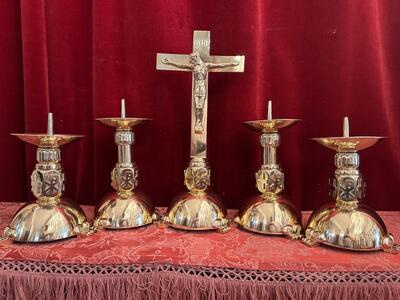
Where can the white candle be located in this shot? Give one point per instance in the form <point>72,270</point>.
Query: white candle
<point>123,115</point>
<point>269,114</point>
<point>346,127</point>
<point>50,124</point>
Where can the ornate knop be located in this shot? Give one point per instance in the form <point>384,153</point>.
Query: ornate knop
<point>270,180</point>
<point>197,175</point>
<point>348,188</point>
<point>124,179</point>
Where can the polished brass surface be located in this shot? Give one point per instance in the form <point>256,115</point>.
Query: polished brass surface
<point>198,209</point>
<point>270,215</point>
<point>355,228</point>
<point>51,217</point>
<point>122,123</point>
<point>346,223</point>
<point>43,139</point>
<point>127,207</point>
<point>270,125</point>
<point>348,144</point>
<point>128,212</point>
<point>36,222</point>
<point>270,212</point>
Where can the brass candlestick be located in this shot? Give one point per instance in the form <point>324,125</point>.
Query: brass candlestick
<point>271,212</point>
<point>347,223</point>
<point>127,207</point>
<point>198,209</point>
<point>51,217</point>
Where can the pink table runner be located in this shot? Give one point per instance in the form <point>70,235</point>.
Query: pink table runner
<point>153,262</point>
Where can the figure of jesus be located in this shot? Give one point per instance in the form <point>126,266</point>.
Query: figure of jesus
<point>200,72</point>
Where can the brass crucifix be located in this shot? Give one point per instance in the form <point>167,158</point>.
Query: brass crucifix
<point>199,62</point>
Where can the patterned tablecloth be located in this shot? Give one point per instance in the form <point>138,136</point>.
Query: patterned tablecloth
<point>235,264</point>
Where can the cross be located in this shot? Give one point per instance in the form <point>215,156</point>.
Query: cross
<point>199,62</point>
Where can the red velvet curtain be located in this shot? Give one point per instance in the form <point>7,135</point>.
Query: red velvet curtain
<point>318,61</point>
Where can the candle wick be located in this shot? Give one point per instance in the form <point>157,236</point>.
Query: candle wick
<point>346,127</point>
<point>269,113</point>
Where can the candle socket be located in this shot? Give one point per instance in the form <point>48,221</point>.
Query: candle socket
<point>347,223</point>
<point>270,212</point>
<point>50,217</point>
<point>126,207</point>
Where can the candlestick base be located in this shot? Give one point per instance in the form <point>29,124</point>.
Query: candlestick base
<point>124,211</point>
<point>46,221</point>
<point>350,226</point>
<point>197,211</point>
<point>272,215</point>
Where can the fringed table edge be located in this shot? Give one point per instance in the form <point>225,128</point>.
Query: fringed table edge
<point>51,280</point>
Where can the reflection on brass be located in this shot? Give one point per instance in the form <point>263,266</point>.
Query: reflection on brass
<point>51,217</point>
<point>127,207</point>
<point>270,212</point>
<point>198,209</point>
<point>347,223</point>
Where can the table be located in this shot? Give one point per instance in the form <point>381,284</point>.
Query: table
<point>150,262</point>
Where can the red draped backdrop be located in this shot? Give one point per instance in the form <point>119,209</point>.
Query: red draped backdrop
<point>318,60</point>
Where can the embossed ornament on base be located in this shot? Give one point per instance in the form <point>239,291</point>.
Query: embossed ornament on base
<point>270,213</point>
<point>51,217</point>
<point>127,207</point>
<point>347,223</point>
<point>198,209</point>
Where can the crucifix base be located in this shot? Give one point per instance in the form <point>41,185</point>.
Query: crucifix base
<point>124,211</point>
<point>197,209</point>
